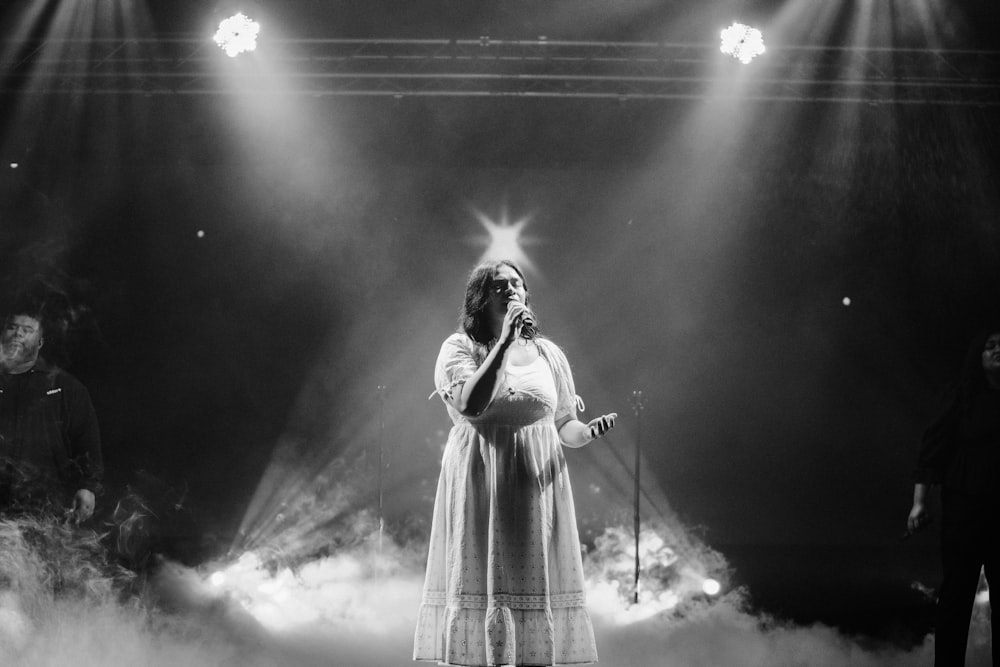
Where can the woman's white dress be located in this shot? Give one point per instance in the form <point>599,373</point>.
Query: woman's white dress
<point>504,583</point>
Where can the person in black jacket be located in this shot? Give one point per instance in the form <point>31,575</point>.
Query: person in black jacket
<point>960,452</point>
<point>50,443</point>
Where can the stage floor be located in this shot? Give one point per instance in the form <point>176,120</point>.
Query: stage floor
<point>884,592</point>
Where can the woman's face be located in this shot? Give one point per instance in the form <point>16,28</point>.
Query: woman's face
<point>991,353</point>
<point>506,285</point>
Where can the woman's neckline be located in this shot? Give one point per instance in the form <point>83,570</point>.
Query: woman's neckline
<point>530,363</point>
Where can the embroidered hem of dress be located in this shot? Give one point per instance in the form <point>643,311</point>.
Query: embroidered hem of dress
<point>500,635</point>
<point>523,664</point>
<point>535,602</point>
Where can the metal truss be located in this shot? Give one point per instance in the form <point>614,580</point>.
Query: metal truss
<point>484,67</point>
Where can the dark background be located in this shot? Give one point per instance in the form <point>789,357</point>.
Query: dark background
<point>697,250</point>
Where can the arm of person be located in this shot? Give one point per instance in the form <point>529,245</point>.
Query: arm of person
<point>84,437</point>
<point>478,391</point>
<point>937,448</point>
<point>919,514</point>
<point>574,433</point>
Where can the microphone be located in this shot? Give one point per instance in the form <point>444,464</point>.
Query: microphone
<point>525,319</point>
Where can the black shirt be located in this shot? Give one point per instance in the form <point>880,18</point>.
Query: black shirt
<point>961,449</point>
<point>49,437</point>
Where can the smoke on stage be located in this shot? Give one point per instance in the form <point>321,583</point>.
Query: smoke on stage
<point>65,601</point>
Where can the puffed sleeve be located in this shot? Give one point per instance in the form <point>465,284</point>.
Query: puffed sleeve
<point>937,447</point>
<point>456,363</point>
<point>567,402</point>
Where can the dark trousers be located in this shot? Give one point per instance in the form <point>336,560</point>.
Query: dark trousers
<point>969,542</point>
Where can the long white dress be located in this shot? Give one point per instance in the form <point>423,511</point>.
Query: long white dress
<point>504,583</point>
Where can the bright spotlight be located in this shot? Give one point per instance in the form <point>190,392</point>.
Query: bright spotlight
<point>217,578</point>
<point>237,34</point>
<point>711,587</point>
<point>742,42</point>
<point>505,240</point>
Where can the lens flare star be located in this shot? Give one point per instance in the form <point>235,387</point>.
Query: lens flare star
<point>505,240</point>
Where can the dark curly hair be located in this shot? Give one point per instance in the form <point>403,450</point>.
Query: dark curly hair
<point>55,316</point>
<point>30,306</point>
<point>472,319</point>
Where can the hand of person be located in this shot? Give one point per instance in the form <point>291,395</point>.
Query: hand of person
<point>601,425</point>
<point>512,321</point>
<point>919,517</point>
<point>83,505</point>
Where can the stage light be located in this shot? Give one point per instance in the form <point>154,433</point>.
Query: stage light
<point>217,578</point>
<point>846,301</point>
<point>14,165</point>
<point>237,34</point>
<point>742,42</point>
<point>505,240</point>
<point>711,587</point>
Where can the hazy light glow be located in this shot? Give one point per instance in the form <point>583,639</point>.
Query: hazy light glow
<point>505,240</point>
<point>711,587</point>
<point>666,579</point>
<point>349,587</point>
<point>742,42</point>
<point>361,622</point>
<point>983,591</point>
<point>237,34</point>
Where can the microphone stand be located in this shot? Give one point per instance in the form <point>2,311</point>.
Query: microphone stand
<point>380,394</point>
<point>637,405</point>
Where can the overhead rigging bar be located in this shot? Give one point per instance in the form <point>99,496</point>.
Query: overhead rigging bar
<point>189,65</point>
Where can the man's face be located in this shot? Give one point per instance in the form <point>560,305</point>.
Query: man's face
<point>21,339</point>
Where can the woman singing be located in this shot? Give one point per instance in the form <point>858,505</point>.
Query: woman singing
<point>504,583</point>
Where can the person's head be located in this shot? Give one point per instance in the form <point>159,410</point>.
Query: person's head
<point>990,355</point>
<point>980,367</point>
<point>491,285</point>
<point>21,339</point>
